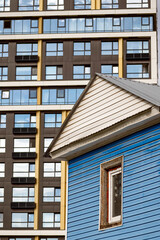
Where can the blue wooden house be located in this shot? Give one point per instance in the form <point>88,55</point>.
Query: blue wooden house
<point>110,143</point>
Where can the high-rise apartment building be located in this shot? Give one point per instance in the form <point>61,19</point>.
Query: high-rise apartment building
<point>49,49</point>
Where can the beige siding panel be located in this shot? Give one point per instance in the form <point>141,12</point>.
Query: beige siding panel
<point>103,105</point>
<point>115,116</point>
<point>102,112</point>
<point>104,123</point>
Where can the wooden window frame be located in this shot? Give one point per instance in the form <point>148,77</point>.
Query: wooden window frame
<point>105,220</point>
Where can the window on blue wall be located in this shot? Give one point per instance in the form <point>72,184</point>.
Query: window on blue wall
<point>31,5</point>
<point>111,193</point>
<point>81,48</point>
<point>138,70</point>
<point>82,4</point>
<point>108,4</point>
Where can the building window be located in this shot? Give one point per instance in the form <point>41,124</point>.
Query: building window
<point>55,4</point>
<point>51,220</point>
<point>3,73</point>
<point>60,96</point>
<point>54,49</point>
<point>105,4</point>
<point>82,49</point>
<point>18,97</point>
<point>20,238</point>
<point>23,195</point>
<point>24,120</point>
<point>109,48</point>
<point>137,3</point>
<point>2,145</point>
<point>52,238</point>
<point>23,170</point>
<point>109,70</point>
<point>1,194</point>
<point>1,220</point>
<point>82,4</point>
<point>111,193</point>
<point>26,73</point>
<point>27,49</point>
<point>47,142</point>
<point>24,145</point>
<point>2,170</point>
<point>22,220</point>
<point>52,120</point>
<point>137,47</point>
<point>52,170</point>
<point>4,5</point>
<point>51,194</point>
<point>54,72</point>
<point>97,24</point>
<point>137,71</point>
<point>32,5</point>
<point>81,72</point>
<point>3,50</point>
<point>2,120</point>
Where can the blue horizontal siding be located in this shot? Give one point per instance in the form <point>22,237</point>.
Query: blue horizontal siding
<point>141,189</point>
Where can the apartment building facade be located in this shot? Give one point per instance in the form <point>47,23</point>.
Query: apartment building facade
<point>49,49</point>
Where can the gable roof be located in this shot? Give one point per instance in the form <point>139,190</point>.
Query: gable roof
<point>139,90</point>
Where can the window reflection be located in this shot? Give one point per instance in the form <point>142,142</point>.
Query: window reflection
<point>107,24</point>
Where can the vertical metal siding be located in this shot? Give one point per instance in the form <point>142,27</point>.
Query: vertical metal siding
<point>141,189</point>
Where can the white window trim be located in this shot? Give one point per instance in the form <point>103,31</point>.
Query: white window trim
<point>112,219</point>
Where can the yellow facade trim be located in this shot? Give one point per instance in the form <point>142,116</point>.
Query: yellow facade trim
<point>37,170</point>
<point>93,4</point>
<point>39,64</point>
<point>63,184</point>
<point>40,5</point>
<point>40,25</point>
<point>120,57</point>
<point>98,4</point>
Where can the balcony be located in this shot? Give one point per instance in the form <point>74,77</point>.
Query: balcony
<point>23,205</point>
<point>27,58</point>
<point>23,180</point>
<point>24,130</point>
<point>24,155</point>
<point>137,56</point>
